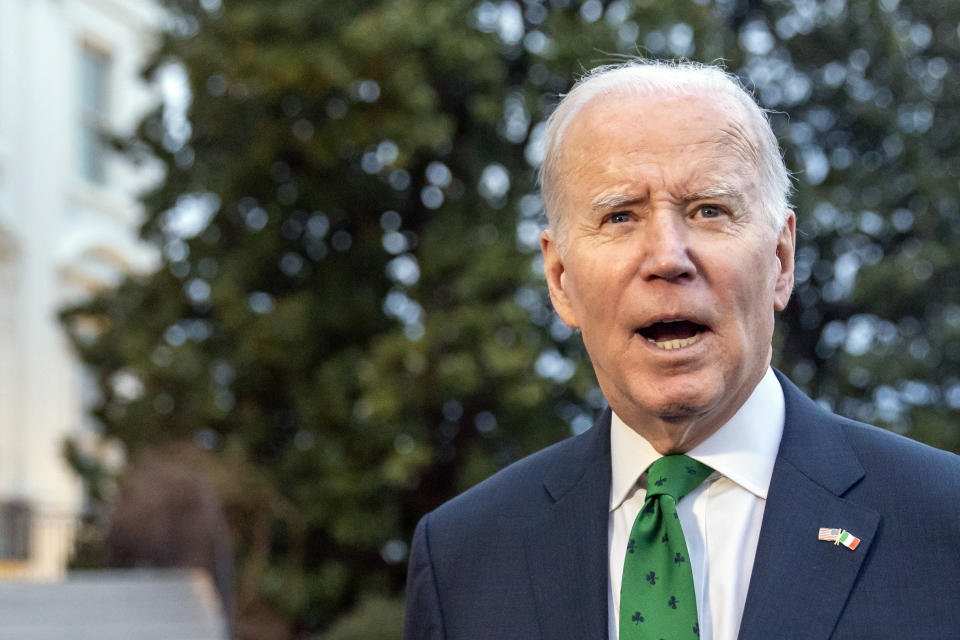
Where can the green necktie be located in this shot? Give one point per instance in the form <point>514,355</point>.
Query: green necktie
<point>656,596</point>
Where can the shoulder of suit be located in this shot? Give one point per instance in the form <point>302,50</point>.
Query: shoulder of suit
<point>877,449</point>
<point>888,446</point>
<point>908,472</point>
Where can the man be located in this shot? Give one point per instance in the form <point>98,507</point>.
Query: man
<point>670,247</point>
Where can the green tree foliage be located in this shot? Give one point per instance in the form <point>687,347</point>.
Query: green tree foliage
<point>875,321</point>
<point>349,316</point>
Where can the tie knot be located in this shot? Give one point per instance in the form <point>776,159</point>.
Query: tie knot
<point>675,476</point>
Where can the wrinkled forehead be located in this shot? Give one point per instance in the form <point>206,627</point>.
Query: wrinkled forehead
<point>712,129</point>
<point>718,117</point>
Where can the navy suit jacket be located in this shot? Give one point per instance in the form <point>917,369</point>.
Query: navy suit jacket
<point>524,553</point>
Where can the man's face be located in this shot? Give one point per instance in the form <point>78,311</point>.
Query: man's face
<point>667,262</point>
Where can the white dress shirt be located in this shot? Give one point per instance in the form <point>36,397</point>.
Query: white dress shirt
<point>720,518</point>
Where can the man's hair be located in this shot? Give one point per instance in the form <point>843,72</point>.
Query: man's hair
<point>643,78</point>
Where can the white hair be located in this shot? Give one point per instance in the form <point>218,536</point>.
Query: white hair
<point>645,78</point>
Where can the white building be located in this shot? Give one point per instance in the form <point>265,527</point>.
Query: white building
<point>69,72</point>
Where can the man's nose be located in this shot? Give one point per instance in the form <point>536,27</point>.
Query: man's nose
<point>666,251</point>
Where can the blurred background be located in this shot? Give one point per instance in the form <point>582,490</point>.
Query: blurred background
<point>271,285</point>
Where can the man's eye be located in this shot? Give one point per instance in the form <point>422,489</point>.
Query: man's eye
<point>617,218</point>
<point>710,211</point>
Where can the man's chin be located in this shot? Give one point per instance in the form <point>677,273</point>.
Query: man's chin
<point>682,398</point>
<point>679,412</point>
<point>671,411</point>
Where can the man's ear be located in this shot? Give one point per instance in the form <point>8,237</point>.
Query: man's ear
<point>786,246</point>
<point>555,271</point>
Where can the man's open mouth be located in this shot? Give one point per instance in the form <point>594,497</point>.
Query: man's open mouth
<point>672,334</point>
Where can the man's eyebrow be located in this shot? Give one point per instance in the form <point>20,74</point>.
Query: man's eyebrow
<point>615,201</point>
<point>720,191</point>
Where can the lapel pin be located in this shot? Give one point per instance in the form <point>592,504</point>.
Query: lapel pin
<point>838,537</point>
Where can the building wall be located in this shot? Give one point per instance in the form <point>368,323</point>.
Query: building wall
<point>61,238</point>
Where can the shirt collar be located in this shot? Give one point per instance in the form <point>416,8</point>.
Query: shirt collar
<point>744,449</point>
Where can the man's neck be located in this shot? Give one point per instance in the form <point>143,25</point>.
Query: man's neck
<point>681,431</point>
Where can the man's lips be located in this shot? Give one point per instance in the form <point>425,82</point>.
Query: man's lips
<point>672,334</point>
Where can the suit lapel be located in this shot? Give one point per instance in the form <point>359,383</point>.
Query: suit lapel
<point>800,584</point>
<point>567,544</point>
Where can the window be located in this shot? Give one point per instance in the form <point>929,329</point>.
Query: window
<point>94,88</point>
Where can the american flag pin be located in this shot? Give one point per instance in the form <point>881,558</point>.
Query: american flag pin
<point>838,537</point>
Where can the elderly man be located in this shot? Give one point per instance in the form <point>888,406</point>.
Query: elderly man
<point>713,499</point>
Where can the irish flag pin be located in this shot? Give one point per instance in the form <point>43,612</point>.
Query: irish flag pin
<point>838,537</point>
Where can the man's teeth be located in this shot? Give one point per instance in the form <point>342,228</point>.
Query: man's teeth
<point>676,343</point>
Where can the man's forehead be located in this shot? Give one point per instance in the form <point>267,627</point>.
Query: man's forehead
<point>651,130</point>
<point>720,166</point>
<point>719,116</point>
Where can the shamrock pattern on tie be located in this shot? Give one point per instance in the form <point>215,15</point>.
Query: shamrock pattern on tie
<point>657,599</point>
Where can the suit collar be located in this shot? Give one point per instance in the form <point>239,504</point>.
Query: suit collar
<point>587,454</point>
<point>814,445</point>
<point>799,582</point>
<point>567,542</point>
